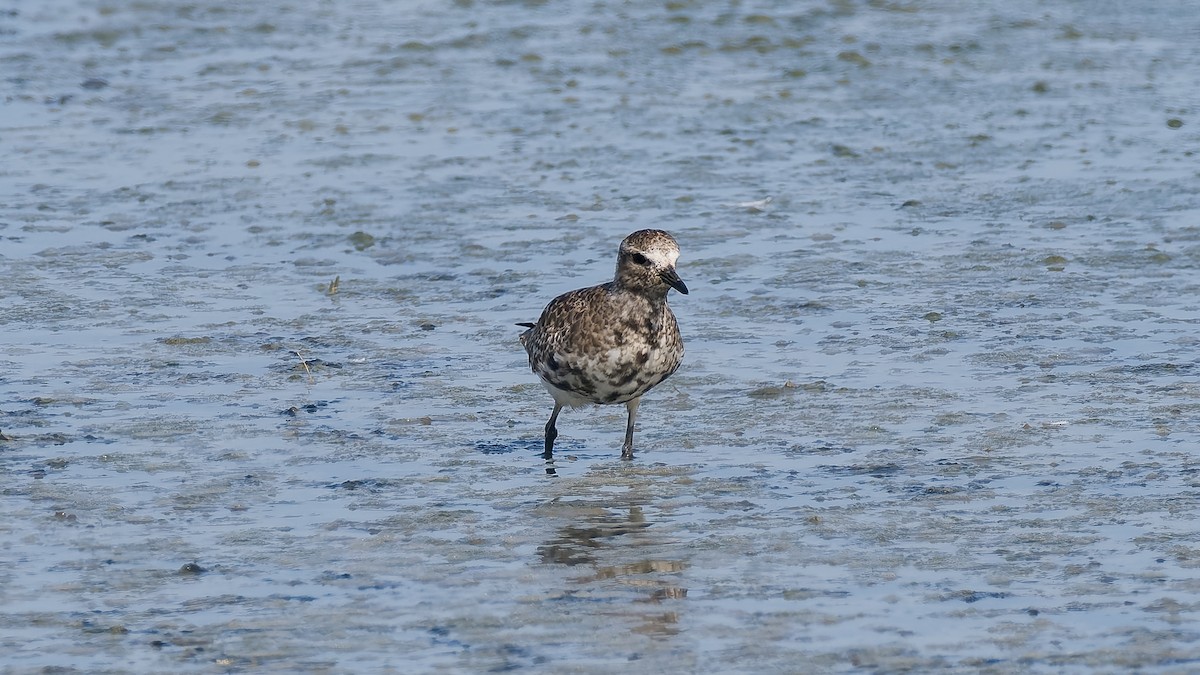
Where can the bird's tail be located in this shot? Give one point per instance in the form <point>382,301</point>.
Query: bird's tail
<point>526,333</point>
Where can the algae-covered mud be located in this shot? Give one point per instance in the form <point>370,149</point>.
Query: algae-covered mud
<point>263,408</point>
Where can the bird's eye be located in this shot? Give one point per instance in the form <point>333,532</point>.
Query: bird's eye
<point>639,259</point>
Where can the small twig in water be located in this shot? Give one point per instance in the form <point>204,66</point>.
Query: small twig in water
<point>304,363</point>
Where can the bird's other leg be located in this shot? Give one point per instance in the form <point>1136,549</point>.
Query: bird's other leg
<point>551,432</point>
<point>627,449</point>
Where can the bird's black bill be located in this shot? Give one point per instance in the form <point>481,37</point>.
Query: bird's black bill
<point>673,280</point>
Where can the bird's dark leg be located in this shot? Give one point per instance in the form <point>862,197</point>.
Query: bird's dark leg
<point>551,432</point>
<point>627,449</point>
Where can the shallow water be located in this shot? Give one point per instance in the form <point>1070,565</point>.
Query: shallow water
<point>264,407</point>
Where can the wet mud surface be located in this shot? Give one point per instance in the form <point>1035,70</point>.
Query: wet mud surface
<point>263,408</point>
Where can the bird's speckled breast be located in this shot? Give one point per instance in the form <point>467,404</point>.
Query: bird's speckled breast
<point>599,345</point>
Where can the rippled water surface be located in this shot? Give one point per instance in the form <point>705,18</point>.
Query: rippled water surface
<point>262,405</point>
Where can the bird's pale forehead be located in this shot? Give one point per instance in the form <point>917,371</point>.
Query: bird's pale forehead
<point>652,243</point>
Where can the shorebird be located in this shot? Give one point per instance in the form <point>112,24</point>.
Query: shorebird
<point>613,342</point>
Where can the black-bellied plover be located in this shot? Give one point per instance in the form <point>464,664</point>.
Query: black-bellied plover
<point>613,342</point>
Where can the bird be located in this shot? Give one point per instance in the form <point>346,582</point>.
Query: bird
<point>613,342</point>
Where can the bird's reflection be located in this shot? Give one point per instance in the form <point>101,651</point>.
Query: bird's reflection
<point>575,544</point>
<point>600,538</point>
